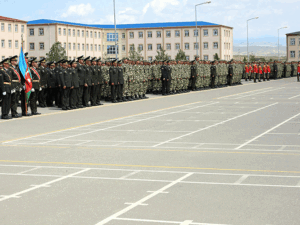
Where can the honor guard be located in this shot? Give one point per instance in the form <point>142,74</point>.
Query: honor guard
<point>44,78</point>
<point>16,86</point>
<point>5,88</point>
<point>36,86</point>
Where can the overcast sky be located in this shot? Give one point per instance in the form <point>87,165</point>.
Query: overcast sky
<point>272,14</point>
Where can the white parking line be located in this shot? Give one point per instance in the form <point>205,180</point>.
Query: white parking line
<point>295,97</point>
<point>130,174</point>
<point>29,170</point>
<point>244,177</point>
<point>187,222</point>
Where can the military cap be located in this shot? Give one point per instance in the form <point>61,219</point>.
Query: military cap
<point>87,58</point>
<point>26,54</point>
<point>114,60</point>
<point>80,57</point>
<point>60,61</point>
<point>13,58</point>
<point>120,62</point>
<point>5,61</point>
<point>94,59</point>
<point>51,63</point>
<point>33,60</point>
<point>43,60</point>
<point>65,62</point>
<point>73,61</point>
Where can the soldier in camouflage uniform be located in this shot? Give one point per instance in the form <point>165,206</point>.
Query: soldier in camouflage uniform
<point>106,87</point>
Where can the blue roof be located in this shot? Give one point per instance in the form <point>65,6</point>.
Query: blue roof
<point>126,26</point>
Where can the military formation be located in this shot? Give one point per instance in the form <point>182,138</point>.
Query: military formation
<point>86,82</point>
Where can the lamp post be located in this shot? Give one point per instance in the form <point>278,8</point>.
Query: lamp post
<point>208,2</point>
<point>255,18</point>
<point>278,41</point>
<point>116,46</point>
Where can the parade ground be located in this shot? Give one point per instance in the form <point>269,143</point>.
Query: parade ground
<point>220,156</point>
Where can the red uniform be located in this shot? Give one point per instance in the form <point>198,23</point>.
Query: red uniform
<point>260,71</point>
<point>265,69</point>
<point>298,69</point>
<point>251,69</point>
<point>246,69</point>
<point>268,69</point>
<point>255,69</point>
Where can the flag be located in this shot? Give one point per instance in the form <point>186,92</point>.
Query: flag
<point>26,74</point>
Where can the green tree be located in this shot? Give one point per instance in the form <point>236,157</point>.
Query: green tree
<point>245,60</point>
<point>180,55</point>
<point>216,56</point>
<point>263,60</point>
<point>252,58</point>
<point>56,53</point>
<point>135,55</point>
<point>161,55</point>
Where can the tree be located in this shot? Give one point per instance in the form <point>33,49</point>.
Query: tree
<point>245,60</point>
<point>135,55</point>
<point>161,55</point>
<point>216,56</point>
<point>263,60</point>
<point>180,55</point>
<point>56,53</point>
<point>252,58</point>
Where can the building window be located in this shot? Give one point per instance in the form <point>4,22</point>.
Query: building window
<point>205,45</point>
<point>150,58</point>
<point>141,34</point>
<point>123,48</point>
<point>292,41</point>
<point>95,48</point>
<point>65,31</point>
<point>78,33</point>
<point>78,47</point>
<point>9,43</point>
<point>65,45</point>
<point>186,33</point>
<point>92,46</point>
<point>16,44</point>
<point>196,33</point>
<point>31,32</point>
<point>2,43</point>
<point>91,34</point>
<point>69,32</point>
<point>16,28</point>
<point>177,46</point>
<point>149,34</point>
<point>73,32</point>
<point>41,31</point>
<point>196,46</point>
<point>131,47</point>
<point>59,31</point>
<point>69,46</point>
<point>87,33</point>
<point>168,33</point>
<point>111,37</point>
<point>205,57</point>
<point>74,47</point>
<point>149,47</point>
<point>140,48</point>
<point>216,45</point>
<point>42,46</point>
<point>99,48</point>
<point>158,46</point>
<point>111,49</point>
<point>82,33</point>
<point>205,33</point>
<point>177,33</point>
<point>158,34</point>
<point>2,26</point>
<point>216,32</point>
<point>99,35</point>
<point>168,46</point>
<point>9,27</point>
<point>187,58</point>
<point>95,34</point>
<point>87,47</point>
<point>186,46</point>
<point>31,46</point>
<point>82,46</point>
<point>293,54</point>
<point>131,35</point>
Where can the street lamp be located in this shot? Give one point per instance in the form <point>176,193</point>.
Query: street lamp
<point>116,46</point>
<point>255,18</point>
<point>208,2</point>
<point>278,41</point>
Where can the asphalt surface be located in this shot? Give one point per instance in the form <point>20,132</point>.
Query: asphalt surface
<point>221,156</point>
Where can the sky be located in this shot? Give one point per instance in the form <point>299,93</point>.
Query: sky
<point>273,14</point>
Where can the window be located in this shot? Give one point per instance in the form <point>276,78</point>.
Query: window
<point>9,27</point>
<point>2,26</point>
<point>99,35</point>
<point>158,34</point>
<point>149,47</point>
<point>216,32</point>
<point>150,58</point>
<point>31,46</point>
<point>65,31</point>
<point>292,54</point>
<point>187,58</point>
<point>74,47</point>
<point>78,47</point>
<point>177,33</point>
<point>158,46</point>
<point>82,46</point>
<point>78,33</point>
<point>196,46</point>
<point>9,43</point>
<point>168,46</point>
<point>131,35</point>
<point>123,35</point>
<point>41,31</point>
<point>149,34</point>
<point>42,46</point>
<point>111,49</point>
<point>95,47</point>
<point>131,47</point>
<point>87,47</point>
<point>168,33</point>
<point>95,34</point>
<point>99,48</point>
<point>123,48</point>
<point>59,31</point>
<point>87,33</point>
<point>31,32</point>
<point>2,43</point>
<point>69,32</point>
<point>205,45</point>
<point>196,33</point>
<point>186,46</point>
<point>141,48</point>
<point>177,46</point>
<point>205,57</point>
<point>205,33</point>
<point>65,45</point>
<point>216,45</point>
<point>292,41</point>
<point>73,32</point>
<point>16,44</point>
<point>69,46</point>
<point>16,28</point>
<point>91,34</point>
<point>141,34</point>
<point>82,33</point>
<point>186,33</point>
<point>111,37</point>
<point>92,46</point>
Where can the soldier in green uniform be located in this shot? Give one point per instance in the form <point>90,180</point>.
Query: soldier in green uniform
<point>74,86</point>
<point>36,79</point>
<point>51,83</point>
<point>100,81</point>
<point>5,86</point>
<point>66,83</point>
<point>43,92</point>
<point>113,81</point>
<point>16,86</point>
<point>81,75</point>
<point>120,81</point>
<point>93,88</point>
<point>88,82</point>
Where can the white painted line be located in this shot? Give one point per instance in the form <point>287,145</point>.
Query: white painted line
<point>295,97</point>
<point>245,93</point>
<point>114,216</point>
<point>260,93</point>
<point>282,148</point>
<point>4,196</point>
<point>131,174</point>
<point>155,131</point>
<point>41,185</point>
<point>298,185</point>
<point>244,177</point>
<point>81,143</point>
<point>253,139</point>
<point>127,203</point>
<point>29,170</point>
<point>163,192</point>
<point>284,133</point>
<point>187,222</point>
<point>214,125</point>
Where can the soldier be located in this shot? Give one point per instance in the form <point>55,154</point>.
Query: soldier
<point>5,88</point>
<point>120,82</point>
<point>100,82</point>
<point>36,85</point>
<point>255,71</point>
<point>82,81</point>
<point>275,70</point>
<point>95,82</point>
<point>298,72</point>
<point>251,71</point>
<point>230,73</point>
<point>74,85</point>
<point>193,77</point>
<point>292,69</point>
<point>43,92</point>
<point>16,86</point>
<point>260,72</point>
<point>213,72</point>
<point>66,82</point>
<point>246,72</point>
<point>51,83</point>
<point>268,72</point>
<point>88,82</point>
<point>164,78</point>
<point>265,71</point>
<point>113,80</point>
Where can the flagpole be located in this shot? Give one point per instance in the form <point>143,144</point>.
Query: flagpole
<point>24,78</point>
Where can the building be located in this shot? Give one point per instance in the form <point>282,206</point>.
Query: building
<point>292,46</point>
<point>11,34</point>
<point>99,40</point>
